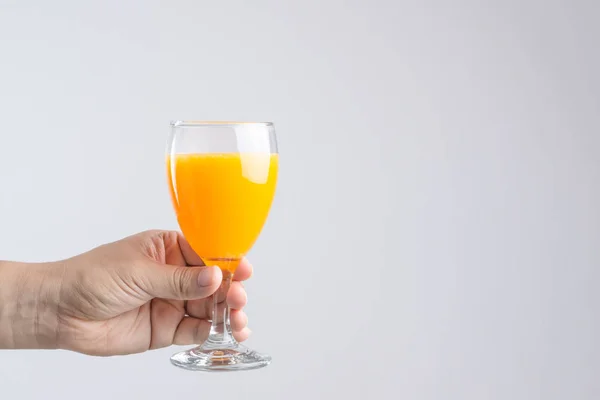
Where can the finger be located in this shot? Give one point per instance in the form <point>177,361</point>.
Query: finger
<point>237,297</point>
<point>165,317</point>
<point>170,247</point>
<point>243,271</point>
<point>238,320</point>
<point>242,335</point>
<point>195,331</point>
<point>202,308</point>
<point>180,283</point>
<point>190,256</point>
<point>191,331</point>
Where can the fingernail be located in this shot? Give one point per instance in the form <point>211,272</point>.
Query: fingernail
<point>207,276</point>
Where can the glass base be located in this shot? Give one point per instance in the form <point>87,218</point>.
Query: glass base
<point>234,358</point>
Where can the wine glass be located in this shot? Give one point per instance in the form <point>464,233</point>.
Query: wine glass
<point>222,177</point>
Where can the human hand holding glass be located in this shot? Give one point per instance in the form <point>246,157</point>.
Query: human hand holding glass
<point>222,177</point>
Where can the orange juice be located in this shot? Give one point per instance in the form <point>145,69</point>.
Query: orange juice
<point>222,201</point>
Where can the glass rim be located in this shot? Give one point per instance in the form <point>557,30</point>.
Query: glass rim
<point>193,123</point>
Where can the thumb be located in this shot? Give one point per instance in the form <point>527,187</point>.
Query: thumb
<point>181,283</point>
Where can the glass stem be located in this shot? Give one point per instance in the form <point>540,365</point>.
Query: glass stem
<point>221,335</point>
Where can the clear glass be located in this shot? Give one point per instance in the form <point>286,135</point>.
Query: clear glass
<point>222,178</point>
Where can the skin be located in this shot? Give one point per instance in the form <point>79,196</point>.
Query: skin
<point>143,292</point>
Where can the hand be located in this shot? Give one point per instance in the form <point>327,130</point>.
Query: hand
<point>143,292</point>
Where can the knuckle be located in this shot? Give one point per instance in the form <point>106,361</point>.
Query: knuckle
<point>180,279</point>
<point>151,233</point>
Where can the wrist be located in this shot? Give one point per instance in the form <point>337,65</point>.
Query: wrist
<point>29,295</point>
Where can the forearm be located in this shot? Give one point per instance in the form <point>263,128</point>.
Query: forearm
<point>29,295</point>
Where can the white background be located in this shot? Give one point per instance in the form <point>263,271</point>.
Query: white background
<point>436,231</point>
